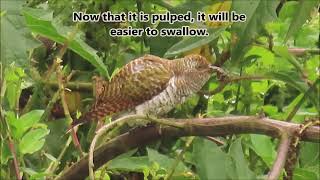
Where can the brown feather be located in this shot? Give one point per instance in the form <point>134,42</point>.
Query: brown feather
<point>137,82</point>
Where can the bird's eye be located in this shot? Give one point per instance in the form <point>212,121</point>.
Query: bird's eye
<point>201,66</point>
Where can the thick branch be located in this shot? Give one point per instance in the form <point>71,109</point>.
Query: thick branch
<point>140,137</point>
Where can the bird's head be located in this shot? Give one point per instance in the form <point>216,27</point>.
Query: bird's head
<point>197,63</point>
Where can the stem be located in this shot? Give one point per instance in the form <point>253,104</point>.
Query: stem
<point>215,140</point>
<point>281,157</point>
<point>238,92</point>
<point>85,86</point>
<point>15,160</point>
<point>54,164</point>
<point>303,51</point>
<point>66,109</point>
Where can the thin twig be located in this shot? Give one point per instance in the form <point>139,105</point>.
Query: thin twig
<point>281,157</point>
<point>60,76</point>
<point>54,164</point>
<point>215,140</point>
<point>238,93</point>
<point>66,109</point>
<point>82,86</point>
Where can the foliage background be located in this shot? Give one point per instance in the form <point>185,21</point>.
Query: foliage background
<point>276,49</point>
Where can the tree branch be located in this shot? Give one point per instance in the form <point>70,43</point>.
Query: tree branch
<point>281,157</point>
<point>142,136</point>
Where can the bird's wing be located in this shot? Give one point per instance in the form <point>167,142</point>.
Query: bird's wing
<point>135,83</point>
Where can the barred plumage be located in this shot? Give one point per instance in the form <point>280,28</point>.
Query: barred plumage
<point>150,85</point>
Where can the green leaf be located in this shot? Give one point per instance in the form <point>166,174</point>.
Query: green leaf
<point>301,16</point>
<point>288,10</point>
<point>16,40</point>
<point>258,13</point>
<point>5,154</point>
<point>266,56</point>
<point>165,161</point>
<point>210,161</point>
<point>29,119</point>
<point>34,175</point>
<point>289,77</point>
<point>303,174</point>
<point>49,156</point>
<point>309,154</point>
<point>295,82</point>
<point>13,123</point>
<point>260,87</point>
<point>264,148</point>
<point>241,164</point>
<point>270,110</point>
<point>312,66</point>
<point>282,51</point>
<point>33,140</point>
<point>307,37</point>
<point>13,76</point>
<point>293,103</point>
<point>190,43</point>
<point>41,22</point>
<point>135,164</point>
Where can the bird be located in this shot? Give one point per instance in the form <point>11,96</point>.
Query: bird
<point>149,85</point>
